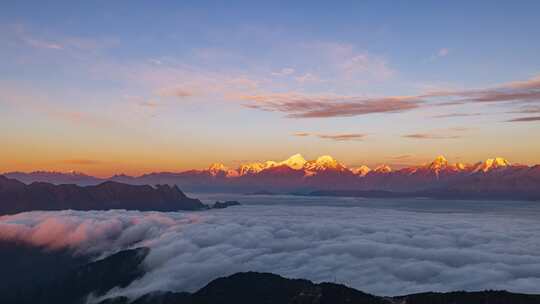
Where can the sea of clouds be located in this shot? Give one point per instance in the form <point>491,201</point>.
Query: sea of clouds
<point>385,251</point>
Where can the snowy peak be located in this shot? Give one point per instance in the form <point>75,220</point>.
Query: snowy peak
<point>251,168</point>
<point>439,163</point>
<point>216,169</point>
<point>461,166</point>
<point>296,162</point>
<point>322,163</point>
<point>327,161</point>
<point>383,169</point>
<point>491,164</point>
<point>361,171</point>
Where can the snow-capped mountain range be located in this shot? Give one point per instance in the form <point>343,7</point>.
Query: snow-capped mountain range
<point>328,163</point>
<point>494,175</point>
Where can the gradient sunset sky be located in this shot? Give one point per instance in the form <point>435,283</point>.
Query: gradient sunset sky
<point>107,87</point>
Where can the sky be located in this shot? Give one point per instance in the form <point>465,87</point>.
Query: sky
<point>137,86</point>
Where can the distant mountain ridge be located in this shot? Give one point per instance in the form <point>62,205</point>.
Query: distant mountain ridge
<point>325,173</point>
<point>16,196</point>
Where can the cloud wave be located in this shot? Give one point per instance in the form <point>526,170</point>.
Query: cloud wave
<point>382,251</point>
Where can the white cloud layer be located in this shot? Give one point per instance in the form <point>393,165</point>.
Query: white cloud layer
<point>385,251</point>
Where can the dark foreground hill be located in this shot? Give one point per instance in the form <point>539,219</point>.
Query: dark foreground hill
<point>17,197</point>
<point>267,288</point>
<point>72,281</point>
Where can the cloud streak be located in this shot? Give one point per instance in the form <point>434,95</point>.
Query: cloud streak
<point>450,115</point>
<point>518,91</point>
<point>430,136</point>
<point>335,137</point>
<point>296,105</point>
<point>525,119</point>
<point>302,106</point>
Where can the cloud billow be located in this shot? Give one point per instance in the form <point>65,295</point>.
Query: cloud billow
<point>382,251</point>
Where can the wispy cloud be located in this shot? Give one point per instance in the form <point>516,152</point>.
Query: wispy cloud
<point>303,106</point>
<point>42,44</point>
<point>149,103</point>
<point>39,39</point>
<point>526,110</point>
<point>430,136</point>
<point>525,119</point>
<point>307,77</point>
<point>175,92</point>
<point>335,137</point>
<point>448,133</point>
<point>344,62</point>
<point>443,52</point>
<point>284,72</point>
<point>449,115</point>
<point>401,157</point>
<point>519,91</point>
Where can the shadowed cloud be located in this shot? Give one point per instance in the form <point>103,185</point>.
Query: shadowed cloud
<point>300,106</point>
<point>324,106</point>
<point>521,91</point>
<point>335,137</point>
<point>525,119</point>
<point>526,110</point>
<point>449,115</point>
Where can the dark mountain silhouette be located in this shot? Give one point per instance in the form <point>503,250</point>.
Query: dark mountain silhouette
<point>61,277</point>
<point>253,287</point>
<point>26,267</point>
<point>17,197</point>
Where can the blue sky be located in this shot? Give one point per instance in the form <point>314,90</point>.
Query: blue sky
<point>169,85</point>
